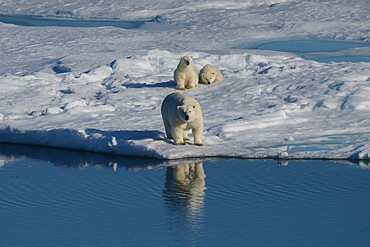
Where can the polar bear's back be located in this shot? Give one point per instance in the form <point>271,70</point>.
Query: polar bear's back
<point>170,103</point>
<point>178,99</point>
<point>174,97</point>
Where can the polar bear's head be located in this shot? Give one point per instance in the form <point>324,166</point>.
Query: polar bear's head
<point>187,60</point>
<point>208,77</point>
<point>187,113</point>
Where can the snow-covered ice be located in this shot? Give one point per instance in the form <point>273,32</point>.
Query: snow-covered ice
<point>100,88</point>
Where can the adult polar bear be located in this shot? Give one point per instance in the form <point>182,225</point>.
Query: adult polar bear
<point>181,113</point>
<point>185,75</point>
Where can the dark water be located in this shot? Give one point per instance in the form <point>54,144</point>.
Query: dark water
<point>52,197</point>
<point>321,51</point>
<point>66,22</point>
<point>309,46</point>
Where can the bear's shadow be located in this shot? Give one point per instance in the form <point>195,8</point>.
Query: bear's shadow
<point>172,141</point>
<point>164,84</point>
<point>129,134</point>
<point>137,135</point>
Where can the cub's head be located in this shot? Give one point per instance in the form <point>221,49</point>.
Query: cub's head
<point>187,60</point>
<point>208,77</point>
<point>186,112</point>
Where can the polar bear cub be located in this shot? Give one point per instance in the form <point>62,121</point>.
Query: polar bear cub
<point>181,113</point>
<point>185,76</point>
<point>209,74</point>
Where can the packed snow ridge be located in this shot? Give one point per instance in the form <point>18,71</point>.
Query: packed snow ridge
<point>276,106</point>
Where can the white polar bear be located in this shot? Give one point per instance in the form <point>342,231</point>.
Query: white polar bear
<point>181,113</point>
<point>209,74</point>
<point>185,76</point>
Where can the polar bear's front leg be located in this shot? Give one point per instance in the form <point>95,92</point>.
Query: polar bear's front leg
<point>186,136</point>
<point>197,134</point>
<point>180,82</point>
<point>192,81</point>
<point>177,134</point>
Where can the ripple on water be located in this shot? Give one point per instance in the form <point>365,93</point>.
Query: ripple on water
<point>35,187</point>
<point>297,184</point>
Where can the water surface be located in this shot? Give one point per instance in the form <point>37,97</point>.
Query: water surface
<point>38,21</point>
<point>321,50</point>
<point>309,46</point>
<point>51,197</point>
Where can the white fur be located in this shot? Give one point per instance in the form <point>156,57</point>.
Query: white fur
<point>185,76</point>
<point>181,113</point>
<point>210,74</point>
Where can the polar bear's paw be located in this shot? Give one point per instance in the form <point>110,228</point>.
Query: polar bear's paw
<point>199,144</point>
<point>182,88</point>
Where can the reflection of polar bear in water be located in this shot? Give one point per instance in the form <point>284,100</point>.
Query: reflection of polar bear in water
<point>185,185</point>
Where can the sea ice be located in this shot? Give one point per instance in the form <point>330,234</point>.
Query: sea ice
<point>100,88</point>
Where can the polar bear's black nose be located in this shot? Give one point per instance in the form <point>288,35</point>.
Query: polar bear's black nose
<point>186,117</point>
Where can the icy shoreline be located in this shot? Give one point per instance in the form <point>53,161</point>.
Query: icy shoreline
<point>355,153</point>
<point>266,106</point>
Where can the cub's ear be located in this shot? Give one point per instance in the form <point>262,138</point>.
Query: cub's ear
<point>178,107</point>
<point>181,58</point>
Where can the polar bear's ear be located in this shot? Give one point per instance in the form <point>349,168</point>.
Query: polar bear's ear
<point>178,107</point>
<point>181,58</point>
<point>191,57</point>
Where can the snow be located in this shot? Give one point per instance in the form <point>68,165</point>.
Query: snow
<point>100,88</point>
